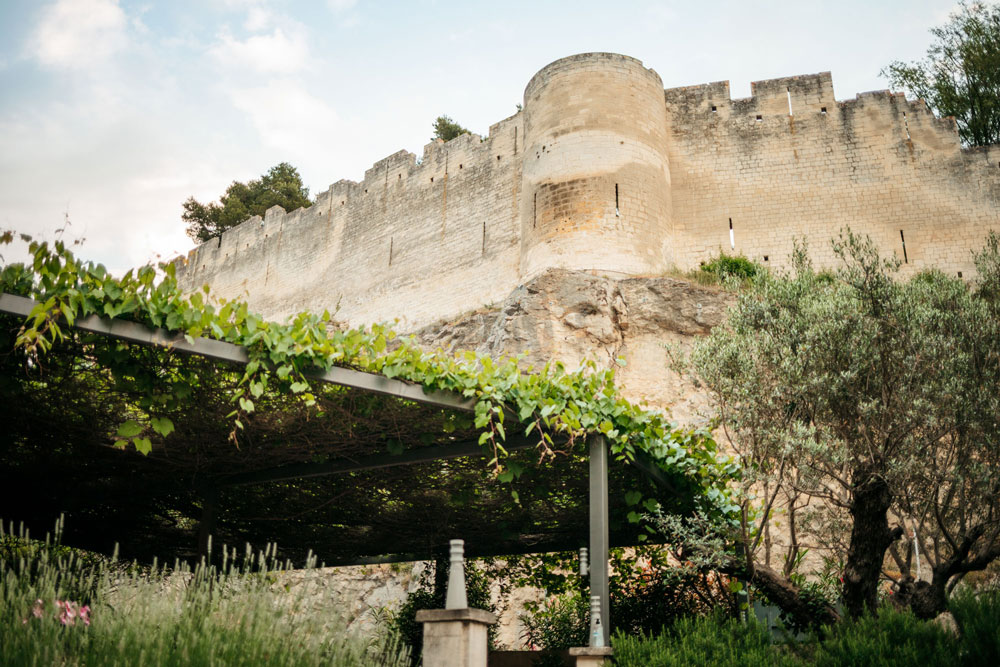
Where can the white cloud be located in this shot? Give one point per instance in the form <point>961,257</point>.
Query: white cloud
<point>258,19</point>
<point>120,199</point>
<point>347,17</point>
<point>341,5</point>
<point>288,117</point>
<point>280,51</point>
<point>76,34</point>
<point>240,4</point>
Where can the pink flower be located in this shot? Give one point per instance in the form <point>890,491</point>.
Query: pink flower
<point>68,615</point>
<point>66,612</point>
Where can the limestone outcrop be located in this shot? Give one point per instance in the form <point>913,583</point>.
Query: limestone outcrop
<point>574,315</point>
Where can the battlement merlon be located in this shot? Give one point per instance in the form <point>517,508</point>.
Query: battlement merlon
<point>807,94</point>
<point>783,96</point>
<point>399,162</point>
<point>910,119</point>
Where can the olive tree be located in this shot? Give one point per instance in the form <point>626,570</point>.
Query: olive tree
<point>876,399</point>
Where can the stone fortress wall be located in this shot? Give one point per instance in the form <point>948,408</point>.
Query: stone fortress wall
<point>792,162</point>
<point>413,238</point>
<point>604,171</point>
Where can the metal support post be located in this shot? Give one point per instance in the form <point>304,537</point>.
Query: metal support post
<point>209,512</point>
<point>599,528</point>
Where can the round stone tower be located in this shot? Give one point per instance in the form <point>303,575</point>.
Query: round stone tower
<point>595,179</point>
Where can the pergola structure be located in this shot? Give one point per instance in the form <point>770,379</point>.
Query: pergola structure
<point>378,471</point>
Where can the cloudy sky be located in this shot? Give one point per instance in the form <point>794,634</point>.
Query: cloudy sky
<point>113,112</point>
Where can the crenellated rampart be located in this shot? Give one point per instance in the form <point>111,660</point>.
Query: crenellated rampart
<point>751,175</point>
<point>596,175</point>
<point>411,240</point>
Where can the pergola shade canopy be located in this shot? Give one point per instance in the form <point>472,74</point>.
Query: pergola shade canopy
<point>377,470</point>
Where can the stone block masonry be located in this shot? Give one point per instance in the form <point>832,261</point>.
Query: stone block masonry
<point>604,171</point>
<point>793,163</point>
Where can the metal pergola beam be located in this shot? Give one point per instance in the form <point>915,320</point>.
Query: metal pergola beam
<point>134,332</point>
<point>374,462</point>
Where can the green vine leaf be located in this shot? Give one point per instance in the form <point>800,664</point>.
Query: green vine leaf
<point>142,445</point>
<point>162,425</point>
<point>129,429</point>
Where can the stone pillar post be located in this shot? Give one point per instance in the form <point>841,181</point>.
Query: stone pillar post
<point>458,635</point>
<point>455,637</point>
<point>590,656</point>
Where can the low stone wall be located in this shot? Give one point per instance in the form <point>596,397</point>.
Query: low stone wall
<point>366,595</point>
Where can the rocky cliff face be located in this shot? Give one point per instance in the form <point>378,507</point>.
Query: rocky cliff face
<point>571,315</point>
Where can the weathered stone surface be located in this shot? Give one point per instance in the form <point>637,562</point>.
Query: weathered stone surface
<point>355,594</point>
<point>946,621</point>
<point>591,656</point>
<point>360,596</point>
<point>573,315</point>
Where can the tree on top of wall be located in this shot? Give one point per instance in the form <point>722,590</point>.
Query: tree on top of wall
<point>446,129</point>
<point>281,185</point>
<point>960,76</point>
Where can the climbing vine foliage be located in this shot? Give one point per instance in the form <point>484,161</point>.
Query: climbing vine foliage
<point>556,405</point>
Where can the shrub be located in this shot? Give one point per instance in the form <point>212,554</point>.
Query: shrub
<point>649,600</point>
<point>978,618</point>
<point>892,637</point>
<point>889,638</point>
<point>404,621</point>
<point>726,266</point>
<point>704,640</point>
<point>559,622</point>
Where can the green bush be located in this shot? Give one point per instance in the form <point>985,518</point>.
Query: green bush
<point>726,266</point>
<point>404,621</point>
<point>892,637</point>
<point>978,618</point>
<point>889,638</point>
<point>560,622</point>
<point>233,615</point>
<point>702,640</point>
<point>648,601</point>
